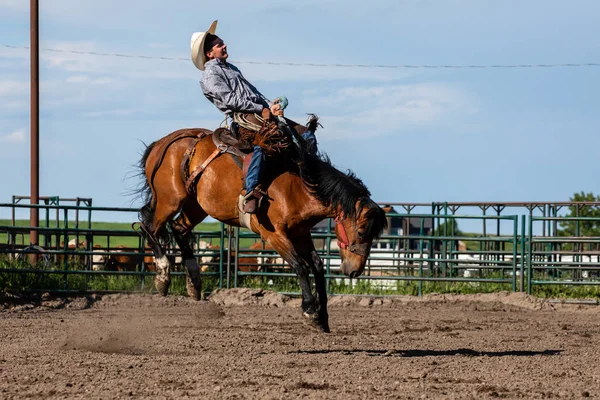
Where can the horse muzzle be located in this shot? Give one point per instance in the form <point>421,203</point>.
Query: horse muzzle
<point>351,269</point>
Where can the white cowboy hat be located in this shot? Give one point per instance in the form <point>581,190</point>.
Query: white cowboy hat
<point>197,43</point>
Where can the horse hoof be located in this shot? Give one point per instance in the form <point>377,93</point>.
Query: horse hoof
<point>162,286</point>
<point>194,290</point>
<point>322,325</point>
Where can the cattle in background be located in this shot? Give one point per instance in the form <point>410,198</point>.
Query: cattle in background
<point>72,246</point>
<point>207,255</point>
<point>124,258</point>
<point>255,260</point>
<point>98,258</point>
<point>120,258</point>
<point>270,259</point>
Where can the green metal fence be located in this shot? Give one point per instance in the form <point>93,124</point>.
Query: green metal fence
<point>427,253</point>
<point>562,260</point>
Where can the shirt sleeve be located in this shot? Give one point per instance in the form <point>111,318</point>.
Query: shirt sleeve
<point>217,91</point>
<point>255,90</point>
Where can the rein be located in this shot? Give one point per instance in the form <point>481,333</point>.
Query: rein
<point>343,243</point>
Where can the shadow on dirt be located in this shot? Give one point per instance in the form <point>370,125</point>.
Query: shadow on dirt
<point>427,353</point>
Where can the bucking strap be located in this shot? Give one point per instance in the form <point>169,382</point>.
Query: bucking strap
<point>190,183</point>
<point>190,152</point>
<point>191,178</point>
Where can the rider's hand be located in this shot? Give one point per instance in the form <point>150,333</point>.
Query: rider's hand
<point>266,114</point>
<point>276,110</point>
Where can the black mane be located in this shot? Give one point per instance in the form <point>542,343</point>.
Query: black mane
<point>337,189</point>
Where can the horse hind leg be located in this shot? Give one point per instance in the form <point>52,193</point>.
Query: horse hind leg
<point>154,220</point>
<point>165,194</point>
<point>191,215</point>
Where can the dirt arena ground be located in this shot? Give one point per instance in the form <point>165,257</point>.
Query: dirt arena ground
<point>252,344</point>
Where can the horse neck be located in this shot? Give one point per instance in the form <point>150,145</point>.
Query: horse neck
<point>301,203</point>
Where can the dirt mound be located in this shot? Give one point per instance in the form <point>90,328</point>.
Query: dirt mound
<point>518,300</point>
<point>11,302</point>
<point>491,301</point>
<point>244,296</point>
<point>18,302</point>
<point>144,300</point>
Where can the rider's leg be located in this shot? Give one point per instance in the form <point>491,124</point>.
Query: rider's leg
<point>307,132</point>
<point>255,172</point>
<point>311,141</point>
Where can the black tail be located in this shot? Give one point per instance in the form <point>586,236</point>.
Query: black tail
<point>146,214</point>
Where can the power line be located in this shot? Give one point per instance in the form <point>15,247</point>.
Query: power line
<point>293,64</point>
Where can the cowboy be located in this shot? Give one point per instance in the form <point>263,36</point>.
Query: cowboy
<point>224,85</point>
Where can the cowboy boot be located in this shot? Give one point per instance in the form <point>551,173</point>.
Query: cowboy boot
<point>252,201</point>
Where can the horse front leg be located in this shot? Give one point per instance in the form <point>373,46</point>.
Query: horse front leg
<point>321,299</point>
<point>306,248</point>
<point>193,281</point>
<point>315,311</point>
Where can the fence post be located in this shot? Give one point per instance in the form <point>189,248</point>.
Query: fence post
<point>420,285</point>
<point>515,243</point>
<point>522,264</point>
<point>65,246</point>
<point>221,246</point>
<point>529,250</point>
<point>236,236</point>
<point>328,253</point>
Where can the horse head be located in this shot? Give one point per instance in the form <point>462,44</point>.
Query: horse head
<point>355,235</point>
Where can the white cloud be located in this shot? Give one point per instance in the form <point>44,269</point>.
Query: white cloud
<point>303,73</point>
<point>13,87</point>
<point>14,106</point>
<point>17,136</point>
<point>14,4</point>
<point>89,80</point>
<point>114,113</point>
<point>384,110</point>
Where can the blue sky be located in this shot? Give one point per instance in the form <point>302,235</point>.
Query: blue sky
<point>412,135</point>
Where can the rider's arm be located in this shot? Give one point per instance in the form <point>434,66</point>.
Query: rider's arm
<point>217,90</point>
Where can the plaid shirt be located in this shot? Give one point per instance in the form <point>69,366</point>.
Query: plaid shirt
<point>225,86</point>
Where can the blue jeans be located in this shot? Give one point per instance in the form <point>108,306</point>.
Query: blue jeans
<point>257,162</point>
<point>311,141</point>
<point>255,169</point>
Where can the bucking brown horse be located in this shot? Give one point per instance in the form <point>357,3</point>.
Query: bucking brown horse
<point>302,189</point>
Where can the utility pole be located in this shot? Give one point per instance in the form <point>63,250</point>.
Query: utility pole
<point>34,216</point>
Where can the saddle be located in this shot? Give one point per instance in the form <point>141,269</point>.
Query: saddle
<point>273,136</point>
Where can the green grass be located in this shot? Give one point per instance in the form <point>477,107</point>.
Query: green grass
<point>122,233</point>
<point>58,281</point>
<point>26,277</point>
<point>23,280</point>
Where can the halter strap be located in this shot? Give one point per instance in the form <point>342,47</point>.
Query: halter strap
<point>343,239</point>
<point>343,243</point>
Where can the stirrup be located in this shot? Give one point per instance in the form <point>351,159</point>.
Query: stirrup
<point>250,205</point>
<point>257,194</point>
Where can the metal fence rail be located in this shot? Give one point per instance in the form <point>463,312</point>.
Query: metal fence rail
<point>522,253</point>
<point>562,260</point>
